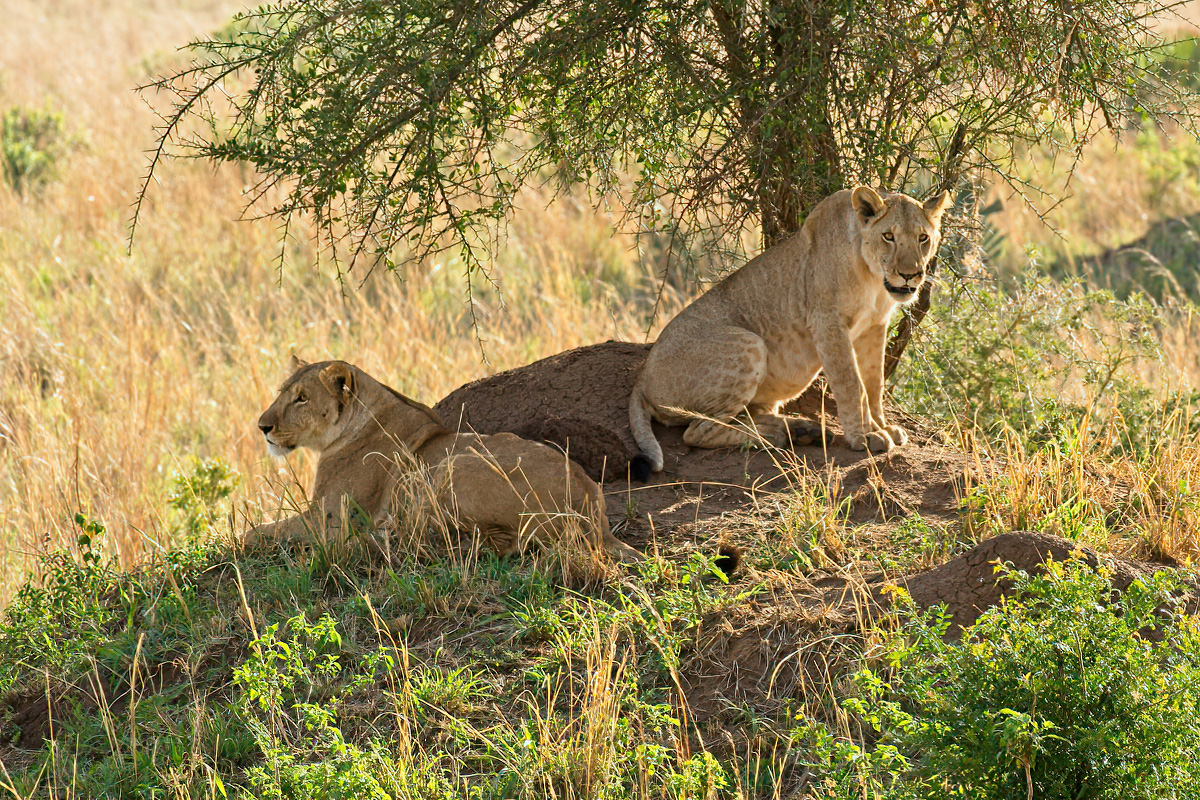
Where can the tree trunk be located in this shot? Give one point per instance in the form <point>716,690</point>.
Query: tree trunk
<point>804,171</point>
<point>800,161</point>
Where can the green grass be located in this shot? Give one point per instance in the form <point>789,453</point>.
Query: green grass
<point>206,674</point>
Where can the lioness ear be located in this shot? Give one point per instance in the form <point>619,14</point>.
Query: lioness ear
<point>296,363</point>
<point>339,380</point>
<point>937,204</point>
<point>867,202</point>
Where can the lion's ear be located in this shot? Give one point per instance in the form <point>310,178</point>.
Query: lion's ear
<point>338,379</point>
<point>937,204</point>
<point>867,203</point>
<point>296,363</point>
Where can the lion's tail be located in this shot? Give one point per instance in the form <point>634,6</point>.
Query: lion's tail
<point>651,458</point>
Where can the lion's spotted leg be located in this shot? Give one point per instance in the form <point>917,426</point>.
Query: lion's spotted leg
<point>869,348</point>
<point>832,340</point>
<point>721,396</point>
<point>751,428</point>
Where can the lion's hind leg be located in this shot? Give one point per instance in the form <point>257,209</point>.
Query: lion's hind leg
<point>712,389</point>
<point>753,427</point>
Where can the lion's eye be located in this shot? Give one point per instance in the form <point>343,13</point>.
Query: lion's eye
<point>887,237</point>
<point>923,238</point>
<point>301,398</point>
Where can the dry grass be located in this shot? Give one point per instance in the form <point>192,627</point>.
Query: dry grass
<point>116,369</point>
<point>1138,505</point>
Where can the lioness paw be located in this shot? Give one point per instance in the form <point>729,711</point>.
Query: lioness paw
<point>873,441</point>
<point>897,434</point>
<point>805,432</point>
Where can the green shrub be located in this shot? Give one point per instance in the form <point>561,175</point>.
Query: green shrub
<point>1062,691</point>
<point>1039,358</point>
<point>199,497</point>
<point>30,143</point>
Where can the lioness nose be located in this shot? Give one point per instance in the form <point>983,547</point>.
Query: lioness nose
<point>265,428</point>
<point>908,276</point>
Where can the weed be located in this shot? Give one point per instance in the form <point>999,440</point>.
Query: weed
<point>30,143</point>
<point>1061,692</point>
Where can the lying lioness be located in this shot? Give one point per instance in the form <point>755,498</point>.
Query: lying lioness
<point>505,489</point>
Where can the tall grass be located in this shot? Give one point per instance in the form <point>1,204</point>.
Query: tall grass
<point>118,367</point>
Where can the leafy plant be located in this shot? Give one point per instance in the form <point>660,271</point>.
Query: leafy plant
<point>199,496</point>
<point>55,620</point>
<point>289,701</point>
<point>30,144</point>
<point>1066,690</point>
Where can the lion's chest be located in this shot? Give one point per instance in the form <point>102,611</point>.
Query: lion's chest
<point>871,314</point>
<point>793,360</point>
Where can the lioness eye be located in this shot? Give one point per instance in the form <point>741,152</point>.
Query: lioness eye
<point>887,237</point>
<point>301,398</point>
<point>924,237</point>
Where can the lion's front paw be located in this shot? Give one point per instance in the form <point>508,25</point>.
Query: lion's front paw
<point>874,441</point>
<point>897,434</point>
<point>255,538</point>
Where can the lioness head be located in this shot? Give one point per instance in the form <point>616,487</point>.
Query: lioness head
<point>309,408</point>
<point>899,237</point>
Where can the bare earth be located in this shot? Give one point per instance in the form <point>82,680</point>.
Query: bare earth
<point>801,630</point>
<point>579,400</point>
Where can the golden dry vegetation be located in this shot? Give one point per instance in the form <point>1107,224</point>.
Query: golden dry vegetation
<point>119,367</point>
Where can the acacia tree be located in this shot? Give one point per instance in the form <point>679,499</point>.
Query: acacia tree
<point>416,122</point>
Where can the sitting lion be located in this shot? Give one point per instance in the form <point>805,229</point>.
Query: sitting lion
<point>820,299</point>
<point>507,490</point>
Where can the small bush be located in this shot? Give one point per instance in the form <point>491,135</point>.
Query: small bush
<point>1038,358</point>
<point>1061,692</point>
<point>198,497</point>
<point>30,143</point>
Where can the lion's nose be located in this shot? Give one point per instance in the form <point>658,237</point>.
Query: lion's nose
<point>908,276</point>
<point>265,428</point>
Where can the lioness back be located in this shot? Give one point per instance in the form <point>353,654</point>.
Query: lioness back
<point>525,488</point>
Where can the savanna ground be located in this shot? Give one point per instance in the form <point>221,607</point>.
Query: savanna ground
<point>149,659</point>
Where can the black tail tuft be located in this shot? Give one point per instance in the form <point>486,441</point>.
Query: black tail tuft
<point>729,557</point>
<point>639,468</point>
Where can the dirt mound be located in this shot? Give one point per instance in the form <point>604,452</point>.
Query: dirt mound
<point>801,635</point>
<point>969,585</point>
<point>579,400</point>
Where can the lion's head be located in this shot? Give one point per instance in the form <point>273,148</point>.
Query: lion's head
<point>899,237</point>
<point>310,407</point>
